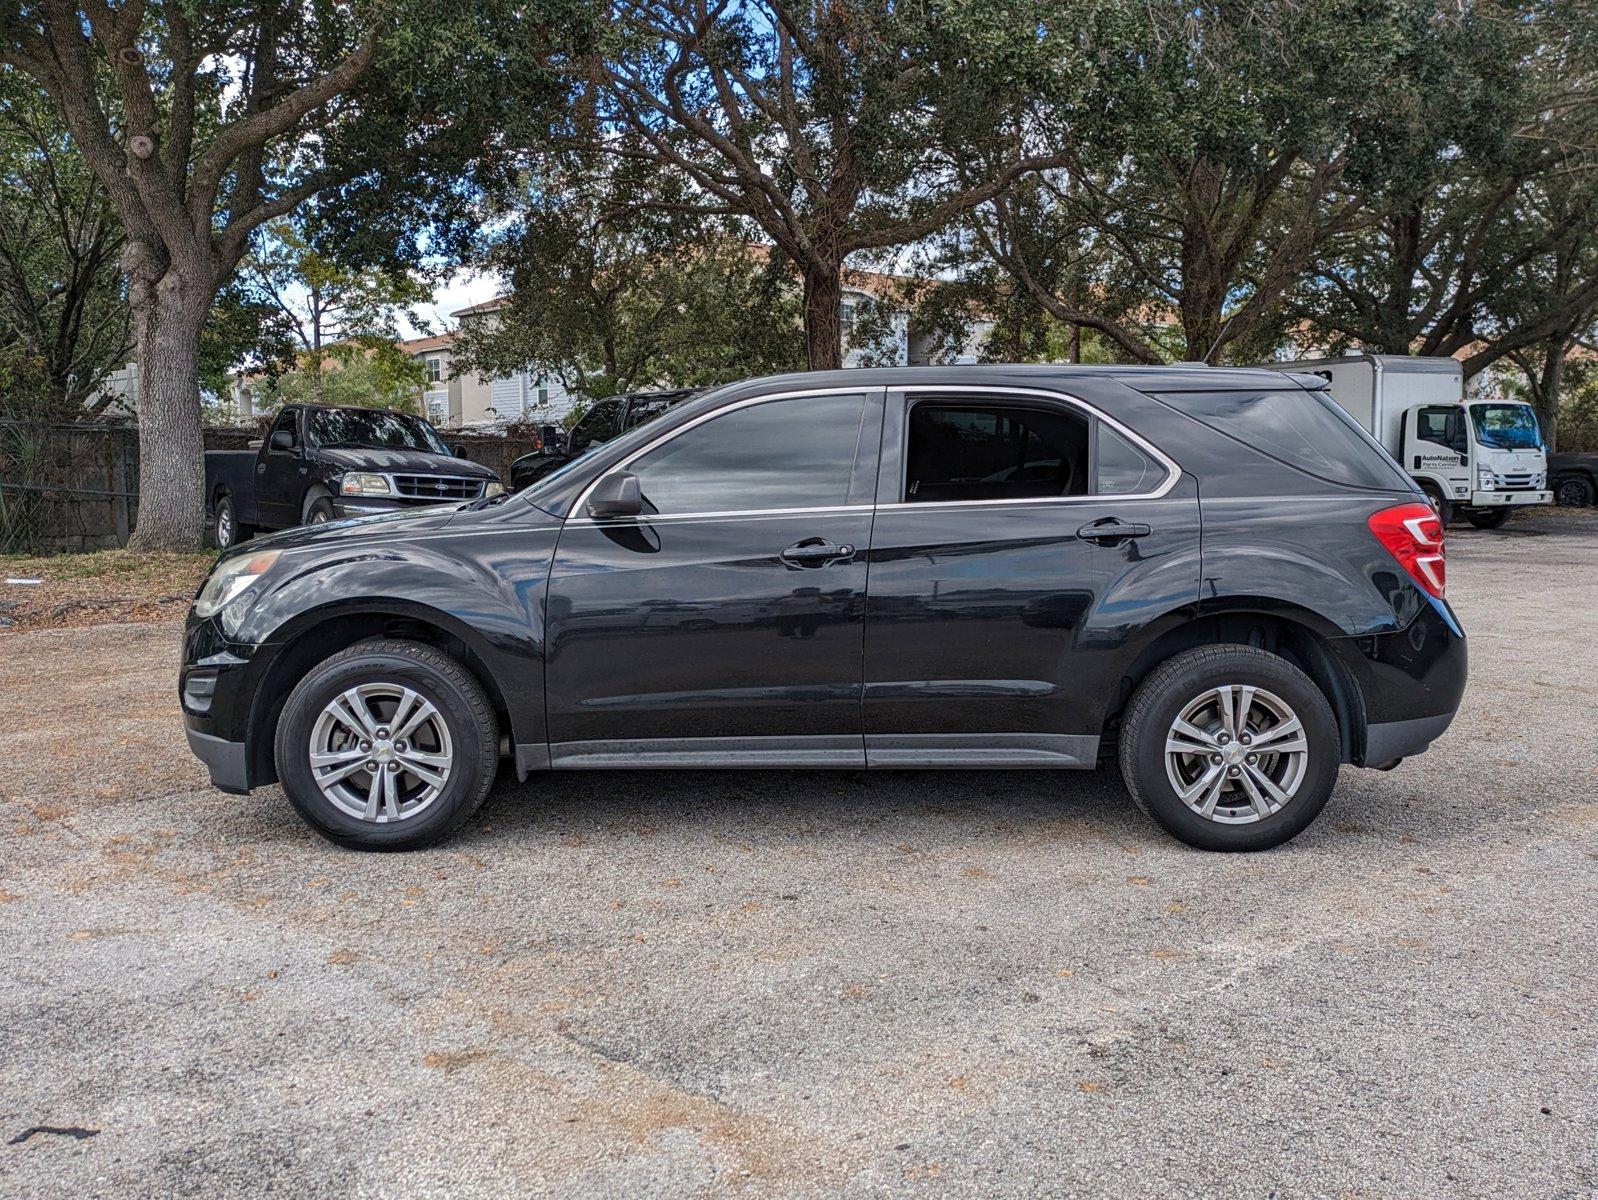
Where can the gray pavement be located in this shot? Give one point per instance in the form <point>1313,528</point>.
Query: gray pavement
<point>790,983</point>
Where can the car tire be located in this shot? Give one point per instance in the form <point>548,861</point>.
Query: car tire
<point>226,531</point>
<point>454,745</point>
<point>1244,814</point>
<point>320,511</point>
<point>1487,518</point>
<point>1574,492</point>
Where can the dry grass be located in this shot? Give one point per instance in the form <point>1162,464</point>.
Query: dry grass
<point>98,588</point>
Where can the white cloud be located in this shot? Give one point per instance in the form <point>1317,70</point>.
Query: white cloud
<point>460,289</point>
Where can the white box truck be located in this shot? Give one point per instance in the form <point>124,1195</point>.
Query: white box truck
<point>1480,459</point>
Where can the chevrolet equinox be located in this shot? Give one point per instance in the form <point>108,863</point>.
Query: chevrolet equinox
<point>1212,576</point>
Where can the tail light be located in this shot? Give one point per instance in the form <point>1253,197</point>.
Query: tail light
<point>1413,534</point>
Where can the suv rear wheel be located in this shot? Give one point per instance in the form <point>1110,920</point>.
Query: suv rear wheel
<point>389,745</point>
<point>1229,748</point>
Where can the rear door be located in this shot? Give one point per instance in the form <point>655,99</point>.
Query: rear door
<point>727,621</point>
<point>1005,518</point>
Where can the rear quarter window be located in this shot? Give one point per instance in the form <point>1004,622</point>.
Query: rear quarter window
<point>1305,430</point>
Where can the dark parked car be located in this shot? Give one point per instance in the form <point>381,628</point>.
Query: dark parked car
<point>319,463</point>
<point>1213,576</point>
<point>1573,478</point>
<point>607,419</point>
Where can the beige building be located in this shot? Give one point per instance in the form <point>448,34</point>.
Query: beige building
<point>452,400</point>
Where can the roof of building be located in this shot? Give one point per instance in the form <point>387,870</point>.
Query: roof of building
<point>494,305</point>
<point>436,341</point>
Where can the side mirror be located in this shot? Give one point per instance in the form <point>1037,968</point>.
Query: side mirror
<point>282,440</point>
<point>616,495</point>
<point>458,451</point>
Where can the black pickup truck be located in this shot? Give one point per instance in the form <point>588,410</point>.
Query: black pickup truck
<point>608,418</point>
<point>1573,476</point>
<point>320,463</point>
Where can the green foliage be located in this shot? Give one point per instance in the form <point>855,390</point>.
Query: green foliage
<point>617,287</point>
<point>367,375</point>
<point>63,311</point>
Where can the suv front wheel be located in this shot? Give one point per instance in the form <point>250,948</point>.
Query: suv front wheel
<point>389,745</point>
<point>1229,748</point>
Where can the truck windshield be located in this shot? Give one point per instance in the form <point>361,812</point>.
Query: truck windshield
<point>1506,426</point>
<point>374,428</point>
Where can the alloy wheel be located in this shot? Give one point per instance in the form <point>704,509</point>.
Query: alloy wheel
<point>1236,754</point>
<point>381,752</point>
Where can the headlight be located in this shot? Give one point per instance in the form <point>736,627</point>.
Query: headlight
<point>493,488</point>
<point>231,580</point>
<point>1484,478</point>
<point>361,483</point>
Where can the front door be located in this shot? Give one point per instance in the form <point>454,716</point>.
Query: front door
<point>727,619</point>
<point>278,474</point>
<point>1003,517</point>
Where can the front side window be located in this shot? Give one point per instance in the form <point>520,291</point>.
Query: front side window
<point>599,425</point>
<point>1506,426</point>
<point>797,453</point>
<point>994,452</point>
<point>286,424</point>
<point>1442,426</point>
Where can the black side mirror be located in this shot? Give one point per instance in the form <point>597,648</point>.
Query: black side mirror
<point>616,495</point>
<point>458,450</point>
<point>282,440</point>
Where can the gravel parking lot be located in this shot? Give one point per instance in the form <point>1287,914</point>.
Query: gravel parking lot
<point>804,983</point>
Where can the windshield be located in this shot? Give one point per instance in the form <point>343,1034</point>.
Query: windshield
<point>1506,426</point>
<point>372,428</point>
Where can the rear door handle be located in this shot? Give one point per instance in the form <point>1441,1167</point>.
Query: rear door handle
<point>815,552</point>
<point>1112,530</point>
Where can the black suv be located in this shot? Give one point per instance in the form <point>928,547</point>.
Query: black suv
<point>1214,576</point>
<point>606,419</point>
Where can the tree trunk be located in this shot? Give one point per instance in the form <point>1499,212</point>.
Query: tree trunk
<point>167,316</point>
<point>823,303</point>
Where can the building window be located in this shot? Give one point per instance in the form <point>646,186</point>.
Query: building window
<point>435,368</point>
<point>846,315</point>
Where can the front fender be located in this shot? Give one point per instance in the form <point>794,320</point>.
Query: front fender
<point>484,587</point>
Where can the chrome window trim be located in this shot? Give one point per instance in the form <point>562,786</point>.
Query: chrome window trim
<point>1173,469</point>
<point>581,506</point>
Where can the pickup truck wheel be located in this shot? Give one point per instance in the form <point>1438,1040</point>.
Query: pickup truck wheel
<point>225,528</point>
<point>389,745</point>
<point>1487,518</point>
<point>1229,748</point>
<point>1574,492</point>
<point>320,512</point>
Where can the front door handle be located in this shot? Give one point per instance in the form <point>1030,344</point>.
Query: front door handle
<point>815,552</point>
<point>1110,529</point>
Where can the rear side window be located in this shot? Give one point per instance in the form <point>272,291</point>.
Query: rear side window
<point>990,452</point>
<point>1121,468</point>
<point>1302,429</point>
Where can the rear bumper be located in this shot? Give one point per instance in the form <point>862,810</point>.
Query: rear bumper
<point>1410,682</point>
<point>1388,740</point>
<point>1506,499</point>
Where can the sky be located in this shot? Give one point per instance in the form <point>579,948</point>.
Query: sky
<point>459,290</point>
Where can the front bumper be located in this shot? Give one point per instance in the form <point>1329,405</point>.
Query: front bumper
<point>226,761</point>
<point>216,684</point>
<point>1504,499</point>
<point>372,506</point>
